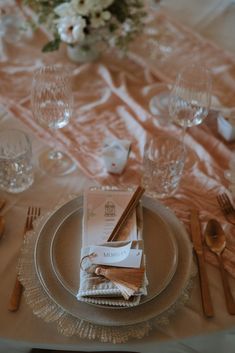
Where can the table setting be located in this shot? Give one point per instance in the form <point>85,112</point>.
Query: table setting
<point>54,270</point>
<point>118,174</point>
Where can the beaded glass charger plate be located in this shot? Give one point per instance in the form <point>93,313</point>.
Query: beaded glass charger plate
<point>168,263</point>
<point>66,244</point>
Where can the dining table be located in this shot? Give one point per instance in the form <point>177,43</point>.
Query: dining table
<point>111,100</point>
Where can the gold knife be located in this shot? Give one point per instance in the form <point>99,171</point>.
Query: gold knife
<point>2,203</point>
<point>198,248</point>
<point>2,220</point>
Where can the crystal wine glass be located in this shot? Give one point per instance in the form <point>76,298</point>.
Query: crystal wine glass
<point>190,97</point>
<point>52,103</point>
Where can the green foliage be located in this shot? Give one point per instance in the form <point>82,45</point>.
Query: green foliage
<point>52,45</point>
<point>119,9</point>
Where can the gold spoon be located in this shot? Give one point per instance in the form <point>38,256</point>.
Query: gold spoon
<point>2,220</point>
<point>216,241</point>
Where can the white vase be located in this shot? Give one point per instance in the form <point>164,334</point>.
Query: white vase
<point>87,51</point>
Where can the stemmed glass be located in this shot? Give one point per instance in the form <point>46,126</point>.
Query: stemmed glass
<point>190,97</point>
<point>52,103</point>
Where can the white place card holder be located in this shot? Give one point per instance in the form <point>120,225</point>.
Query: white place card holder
<point>115,155</point>
<point>226,127</point>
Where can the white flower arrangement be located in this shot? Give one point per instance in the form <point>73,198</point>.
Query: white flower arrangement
<point>115,22</point>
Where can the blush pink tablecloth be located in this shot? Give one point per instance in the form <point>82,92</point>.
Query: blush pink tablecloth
<point>112,100</point>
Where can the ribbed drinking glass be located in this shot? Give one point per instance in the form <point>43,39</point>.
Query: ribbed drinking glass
<point>52,105</point>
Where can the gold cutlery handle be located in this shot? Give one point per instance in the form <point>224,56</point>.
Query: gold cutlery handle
<point>205,291</point>
<point>127,212</point>
<point>15,298</point>
<point>2,203</point>
<point>14,303</point>
<point>2,226</point>
<point>227,290</point>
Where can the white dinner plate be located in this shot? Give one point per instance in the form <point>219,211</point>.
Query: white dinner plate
<point>66,219</point>
<point>160,245</point>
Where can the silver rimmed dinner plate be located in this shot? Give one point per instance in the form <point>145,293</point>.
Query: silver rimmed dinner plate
<point>53,239</point>
<point>159,242</point>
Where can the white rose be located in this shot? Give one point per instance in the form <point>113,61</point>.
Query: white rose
<point>98,18</point>
<point>83,7</point>
<point>64,10</point>
<point>98,5</point>
<point>71,29</point>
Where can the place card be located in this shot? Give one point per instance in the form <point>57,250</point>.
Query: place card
<point>102,210</point>
<point>118,256</point>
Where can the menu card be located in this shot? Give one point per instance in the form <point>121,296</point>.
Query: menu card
<point>102,210</point>
<point>111,273</point>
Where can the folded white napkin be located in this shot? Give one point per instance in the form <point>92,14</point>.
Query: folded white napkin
<point>100,290</point>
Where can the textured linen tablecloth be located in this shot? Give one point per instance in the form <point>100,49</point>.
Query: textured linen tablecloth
<point>111,100</point>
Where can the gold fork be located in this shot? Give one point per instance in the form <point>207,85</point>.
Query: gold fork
<point>226,207</point>
<point>14,303</point>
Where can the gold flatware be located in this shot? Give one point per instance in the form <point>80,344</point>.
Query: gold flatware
<point>226,207</point>
<point>14,303</point>
<point>2,226</point>
<point>198,248</point>
<point>216,241</point>
<point>127,212</point>
<point>2,220</point>
<point>2,203</point>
